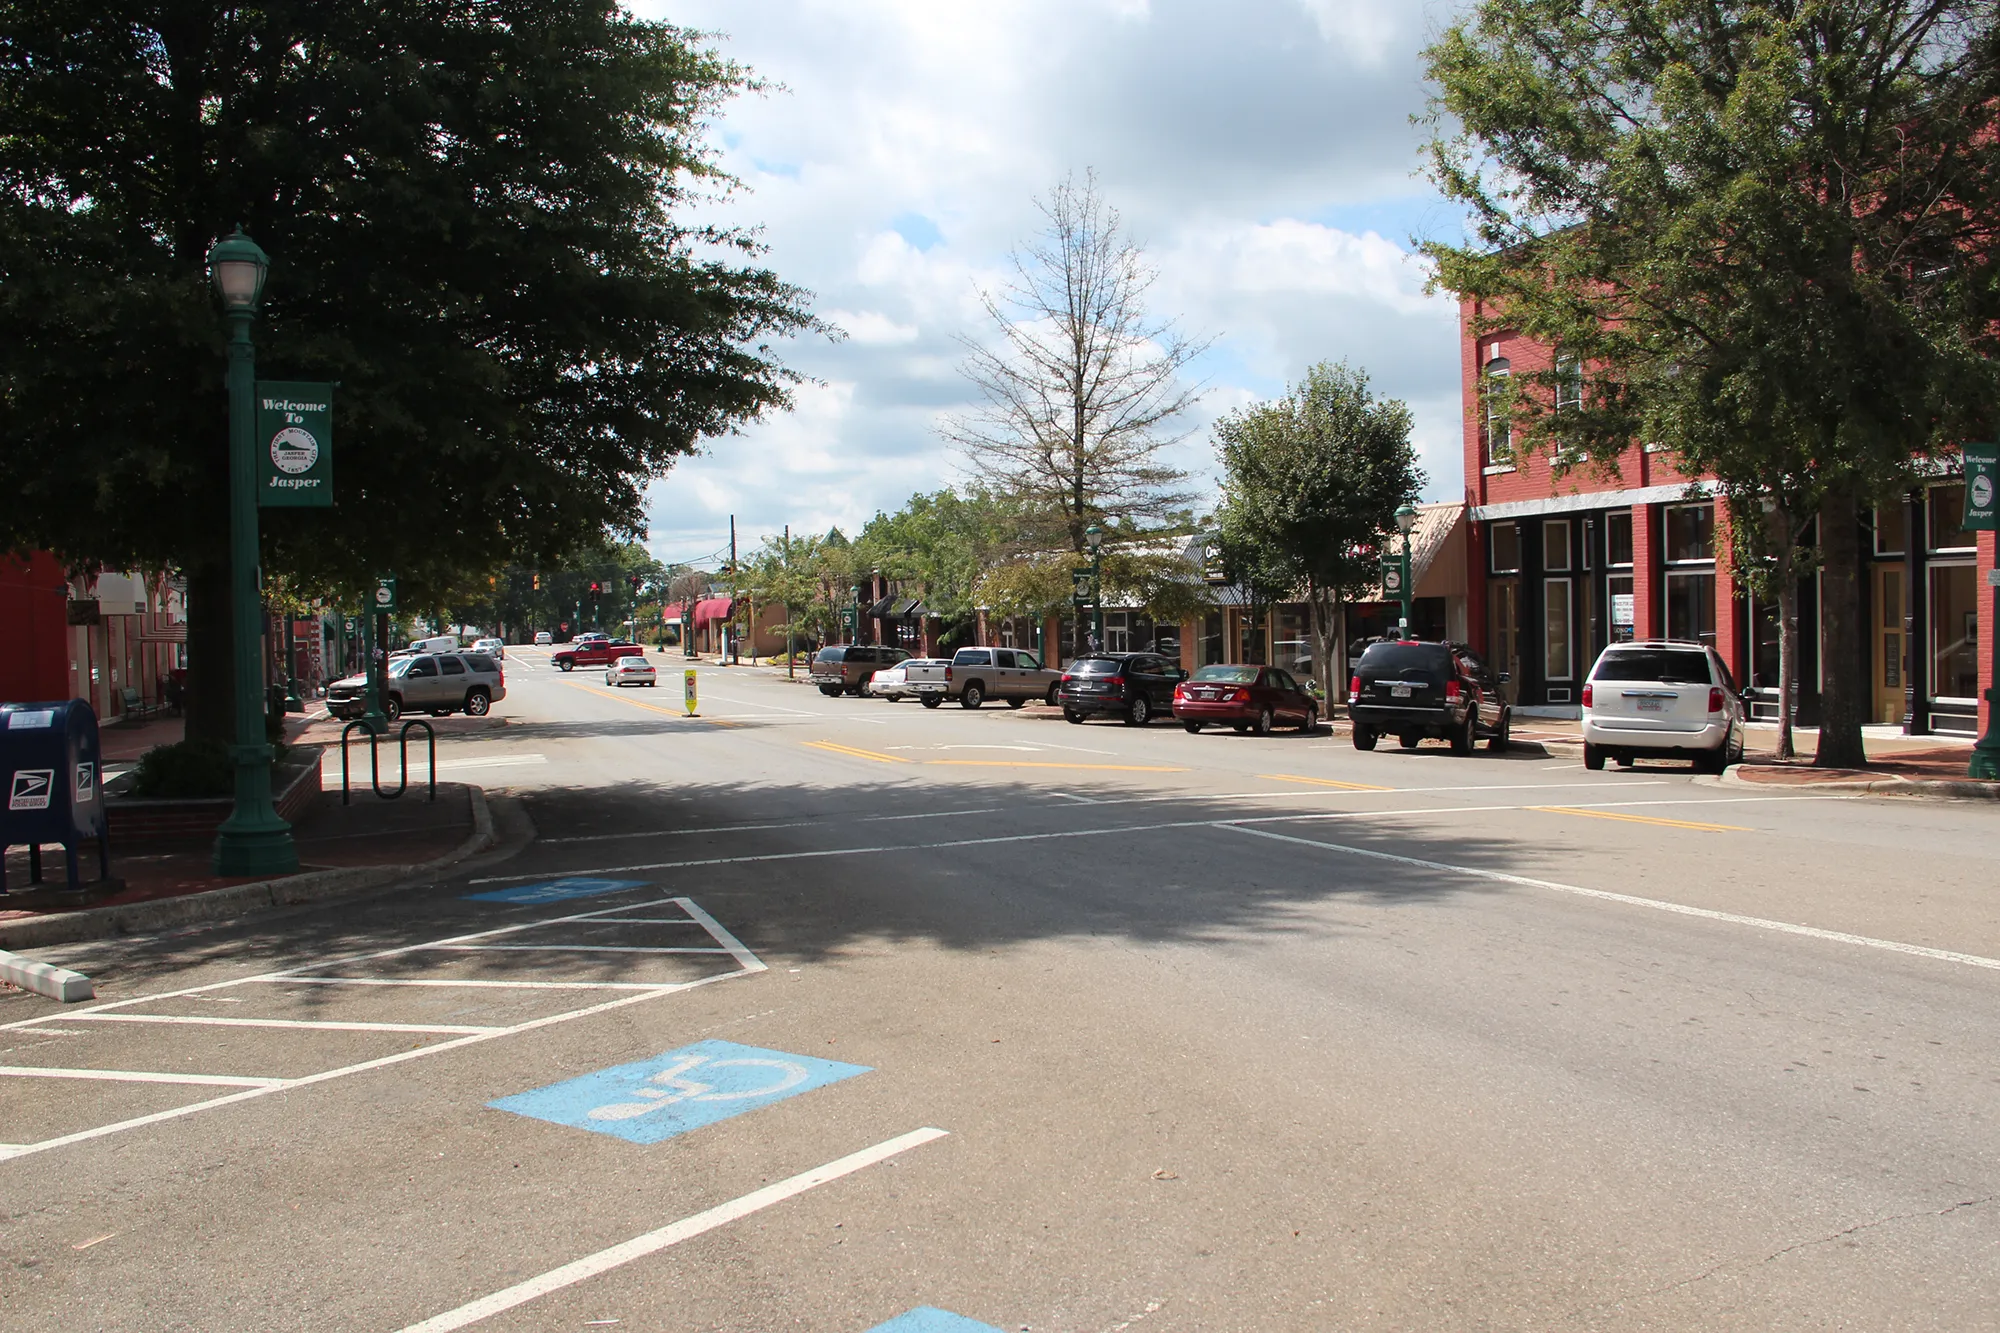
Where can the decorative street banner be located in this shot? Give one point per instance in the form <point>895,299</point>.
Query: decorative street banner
<point>384,601</point>
<point>294,445</point>
<point>1982,481</point>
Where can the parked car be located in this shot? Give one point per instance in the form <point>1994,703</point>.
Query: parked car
<point>1411,690</point>
<point>635,670</point>
<point>436,643</point>
<point>434,683</point>
<point>594,636</point>
<point>892,682</point>
<point>491,647</point>
<point>974,675</point>
<point>845,669</point>
<point>1661,699</point>
<point>592,652</point>
<point>1244,697</point>
<point>543,638</point>
<point>1135,686</point>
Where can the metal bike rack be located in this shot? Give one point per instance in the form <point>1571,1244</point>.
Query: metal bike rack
<point>375,759</point>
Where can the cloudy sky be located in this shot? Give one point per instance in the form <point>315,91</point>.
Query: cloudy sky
<point>1261,151</point>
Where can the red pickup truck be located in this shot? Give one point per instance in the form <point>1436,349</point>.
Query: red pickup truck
<point>594,653</point>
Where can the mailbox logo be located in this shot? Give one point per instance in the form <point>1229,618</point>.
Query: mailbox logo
<point>30,789</point>
<point>86,783</point>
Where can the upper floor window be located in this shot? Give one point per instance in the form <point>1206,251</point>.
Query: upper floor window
<point>1947,518</point>
<point>1498,409</point>
<point>1618,537</point>
<point>1690,532</point>
<point>1890,537</point>
<point>1506,540</point>
<point>1569,381</point>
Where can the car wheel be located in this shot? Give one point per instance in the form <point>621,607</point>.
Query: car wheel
<point>1073,717</point>
<point>1054,697</point>
<point>1715,761</point>
<point>1017,703</point>
<point>1264,723</point>
<point>1736,754</point>
<point>973,695</point>
<point>830,691</point>
<point>1409,740</point>
<point>1311,722</point>
<point>1498,742</point>
<point>565,666</point>
<point>392,708</point>
<point>478,703</point>
<point>1191,728</point>
<point>1140,712</point>
<point>854,690</point>
<point>1593,758</point>
<point>1466,736</point>
<point>1364,737</point>
<point>930,700</point>
<point>651,684</point>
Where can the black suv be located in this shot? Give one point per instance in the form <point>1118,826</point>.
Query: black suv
<point>1136,686</point>
<point>1412,690</point>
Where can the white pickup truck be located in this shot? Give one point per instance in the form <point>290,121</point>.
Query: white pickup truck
<point>975,675</point>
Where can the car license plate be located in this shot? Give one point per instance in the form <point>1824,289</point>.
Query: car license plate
<point>1399,691</point>
<point>1652,705</point>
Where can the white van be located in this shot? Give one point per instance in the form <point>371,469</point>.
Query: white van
<point>437,643</point>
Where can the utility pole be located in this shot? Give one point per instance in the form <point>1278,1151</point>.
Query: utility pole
<point>791,667</point>
<point>735,655</point>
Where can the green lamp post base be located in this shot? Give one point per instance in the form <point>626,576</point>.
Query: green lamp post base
<point>1986,755</point>
<point>254,840</point>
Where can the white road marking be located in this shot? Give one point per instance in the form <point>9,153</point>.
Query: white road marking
<point>1081,800</point>
<point>441,982</point>
<point>1630,900</point>
<point>567,948</point>
<point>308,1024</point>
<point>135,1076</point>
<point>761,828</point>
<point>674,1233</point>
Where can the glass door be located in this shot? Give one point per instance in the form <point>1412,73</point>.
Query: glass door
<point>1503,637</point>
<point>1889,647</point>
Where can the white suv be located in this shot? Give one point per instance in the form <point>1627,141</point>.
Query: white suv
<point>1661,699</point>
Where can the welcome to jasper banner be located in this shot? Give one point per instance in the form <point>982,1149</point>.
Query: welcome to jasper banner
<point>294,445</point>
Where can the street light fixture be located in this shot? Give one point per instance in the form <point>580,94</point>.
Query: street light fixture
<point>1406,522</point>
<point>253,840</point>
<point>1093,537</point>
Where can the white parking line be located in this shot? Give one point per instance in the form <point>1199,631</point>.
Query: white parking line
<point>134,1076</point>
<point>307,1024</point>
<point>759,828</point>
<point>568,948</point>
<point>674,1233</point>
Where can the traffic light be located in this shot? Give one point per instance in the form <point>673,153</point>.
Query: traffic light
<point>635,584</point>
<point>594,588</point>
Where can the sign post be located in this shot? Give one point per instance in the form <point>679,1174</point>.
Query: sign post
<point>381,604</point>
<point>1982,514</point>
<point>1396,585</point>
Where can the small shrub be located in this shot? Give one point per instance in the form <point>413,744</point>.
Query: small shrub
<point>186,771</point>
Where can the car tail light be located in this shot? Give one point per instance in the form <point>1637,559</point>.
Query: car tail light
<point>1587,692</point>
<point>1180,691</point>
<point>947,676</point>
<point>1715,698</point>
<point>1451,691</point>
<point>1239,696</point>
<point>1354,687</point>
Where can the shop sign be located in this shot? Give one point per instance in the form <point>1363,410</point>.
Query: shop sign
<point>294,445</point>
<point>1623,611</point>
<point>1982,481</point>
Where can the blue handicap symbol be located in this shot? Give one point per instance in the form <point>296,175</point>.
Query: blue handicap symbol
<point>930,1319</point>
<point>555,890</point>
<point>651,1100</point>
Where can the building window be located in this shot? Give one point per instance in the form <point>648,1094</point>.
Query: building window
<point>1496,405</point>
<point>1618,538</point>
<point>1292,645</point>
<point>1556,612</point>
<point>1117,638</point>
<point>1890,538</point>
<point>1569,381</point>
<point>1506,542</point>
<point>1691,605</point>
<point>1955,631</point>
<point>1212,645</point>
<point>1690,532</point>
<point>1555,545</point>
<point>1947,518</point>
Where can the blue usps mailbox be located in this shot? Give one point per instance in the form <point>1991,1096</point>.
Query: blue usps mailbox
<point>52,780</point>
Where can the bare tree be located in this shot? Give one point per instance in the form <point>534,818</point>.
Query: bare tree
<point>1082,391</point>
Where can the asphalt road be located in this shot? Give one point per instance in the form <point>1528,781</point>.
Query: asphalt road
<point>1055,1028</point>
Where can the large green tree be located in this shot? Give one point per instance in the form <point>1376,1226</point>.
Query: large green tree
<point>473,213</point>
<point>1760,233</point>
<point>1311,485</point>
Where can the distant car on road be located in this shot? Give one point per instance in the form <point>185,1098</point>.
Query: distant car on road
<point>1411,690</point>
<point>591,653</point>
<point>1661,699</point>
<point>892,682</point>
<point>1135,686</point>
<point>624,671</point>
<point>491,646</point>
<point>543,638</point>
<point>1244,697</point>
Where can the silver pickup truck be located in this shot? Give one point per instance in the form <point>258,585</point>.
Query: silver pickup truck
<point>975,675</point>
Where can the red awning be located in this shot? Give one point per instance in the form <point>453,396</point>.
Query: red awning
<point>711,609</point>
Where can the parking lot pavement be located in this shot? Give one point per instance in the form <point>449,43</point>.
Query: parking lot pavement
<point>835,1014</point>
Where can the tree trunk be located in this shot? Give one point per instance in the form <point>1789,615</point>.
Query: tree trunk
<point>211,678</point>
<point>1844,702</point>
<point>1325,610</point>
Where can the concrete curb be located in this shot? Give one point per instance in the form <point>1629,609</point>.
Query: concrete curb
<point>58,983</point>
<point>239,899</point>
<point>1933,788</point>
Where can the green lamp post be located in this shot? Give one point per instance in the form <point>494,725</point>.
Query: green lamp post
<point>1093,537</point>
<point>1406,522</point>
<point>253,840</point>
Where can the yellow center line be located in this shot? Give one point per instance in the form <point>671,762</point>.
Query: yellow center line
<point>1028,763</point>
<point>1641,819</point>
<point>857,754</point>
<point>1323,782</point>
<point>624,698</point>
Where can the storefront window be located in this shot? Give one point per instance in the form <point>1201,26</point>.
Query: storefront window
<point>1211,640</point>
<point>1691,532</point>
<point>1889,525</point>
<point>1250,638</point>
<point>1292,644</point>
<point>1624,607</point>
<point>1618,537</point>
<point>1947,525</point>
<point>1555,545</point>
<point>1691,605</point>
<point>1954,632</point>
<point>1764,643</point>
<point>1506,539</point>
<point>1555,629</point>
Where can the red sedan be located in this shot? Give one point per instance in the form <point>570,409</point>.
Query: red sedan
<point>1244,697</point>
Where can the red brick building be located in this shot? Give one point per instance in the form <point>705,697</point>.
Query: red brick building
<point>1560,566</point>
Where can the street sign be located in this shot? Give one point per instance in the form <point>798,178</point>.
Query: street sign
<point>384,600</point>
<point>294,445</point>
<point>688,695</point>
<point>1392,579</point>
<point>847,617</point>
<point>1982,487</point>
<point>349,625</point>
<point>1080,584</point>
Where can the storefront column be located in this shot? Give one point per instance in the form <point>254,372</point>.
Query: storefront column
<point>1916,618</point>
<point>1985,595</point>
<point>1647,612</point>
<point>1728,621</point>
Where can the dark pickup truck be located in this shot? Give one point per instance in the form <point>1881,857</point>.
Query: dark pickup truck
<point>593,653</point>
